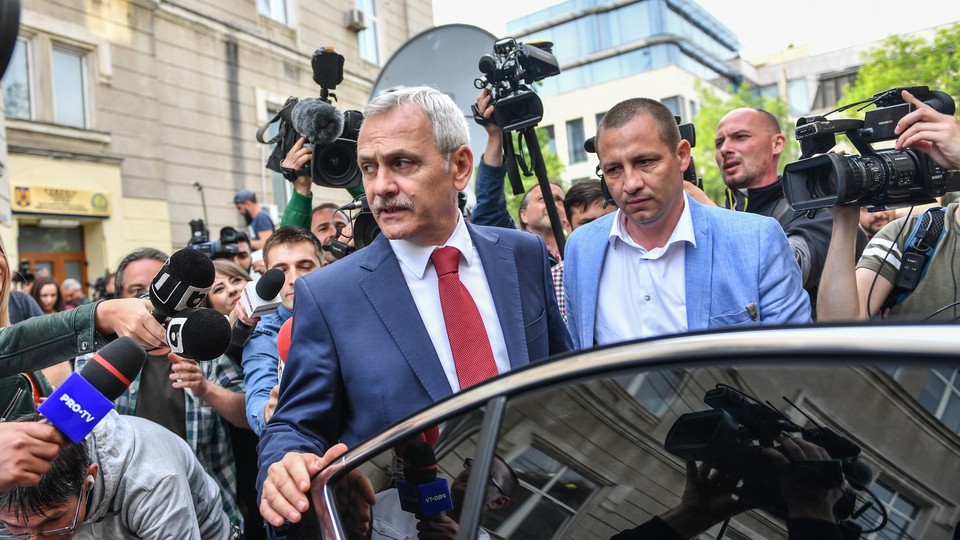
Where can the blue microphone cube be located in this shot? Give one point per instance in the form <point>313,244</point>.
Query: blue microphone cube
<point>425,500</point>
<point>75,408</point>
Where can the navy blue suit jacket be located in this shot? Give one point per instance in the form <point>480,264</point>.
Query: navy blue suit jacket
<point>361,358</point>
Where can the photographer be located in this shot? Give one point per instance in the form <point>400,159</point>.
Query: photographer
<point>848,292</point>
<point>708,499</point>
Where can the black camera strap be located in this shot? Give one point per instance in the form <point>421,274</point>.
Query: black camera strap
<point>917,252</point>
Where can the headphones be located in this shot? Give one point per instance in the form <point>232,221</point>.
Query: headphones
<point>90,478</point>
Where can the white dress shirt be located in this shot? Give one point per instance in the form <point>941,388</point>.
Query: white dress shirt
<point>643,293</point>
<point>421,278</point>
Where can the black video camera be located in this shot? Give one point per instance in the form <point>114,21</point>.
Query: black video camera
<point>224,248</point>
<point>876,179</point>
<point>333,134</point>
<point>508,73</point>
<point>23,274</point>
<point>731,436</point>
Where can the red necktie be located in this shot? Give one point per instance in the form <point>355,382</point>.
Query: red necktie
<point>472,354</point>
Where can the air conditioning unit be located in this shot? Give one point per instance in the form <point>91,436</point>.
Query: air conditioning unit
<point>356,20</point>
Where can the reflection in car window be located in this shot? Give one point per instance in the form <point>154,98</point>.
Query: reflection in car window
<point>592,462</point>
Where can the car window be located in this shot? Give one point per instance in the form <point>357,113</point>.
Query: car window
<point>600,457</point>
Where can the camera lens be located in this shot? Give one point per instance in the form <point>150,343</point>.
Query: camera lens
<point>336,165</point>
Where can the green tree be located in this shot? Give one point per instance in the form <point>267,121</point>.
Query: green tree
<point>554,170</point>
<point>712,109</point>
<point>909,61</point>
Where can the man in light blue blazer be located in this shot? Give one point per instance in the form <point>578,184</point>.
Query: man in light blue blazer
<point>663,263</point>
<point>370,343</point>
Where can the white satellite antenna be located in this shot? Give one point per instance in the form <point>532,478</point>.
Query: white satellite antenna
<point>447,58</point>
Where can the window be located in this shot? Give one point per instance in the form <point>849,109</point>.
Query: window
<point>901,513</point>
<point>654,391</point>
<point>275,9</point>
<point>675,104</point>
<point>369,39</point>
<point>16,83</point>
<point>550,137</point>
<point>575,150</point>
<point>550,494</point>
<point>599,118</point>
<point>831,88</point>
<point>941,396</point>
<point>68,88</point>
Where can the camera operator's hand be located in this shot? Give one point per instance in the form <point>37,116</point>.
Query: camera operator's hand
<point>493,153</point>
<point>844,289</point>
<point>297,158</point>
<point>929,131</point>
<point>707,500</point>
<point>803,499</point>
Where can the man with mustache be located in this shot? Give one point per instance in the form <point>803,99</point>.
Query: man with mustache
<point>429,308</point>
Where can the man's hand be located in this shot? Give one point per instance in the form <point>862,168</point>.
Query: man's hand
<point>287,482</point>
<point>493,153</point>
<point>130,317</point>
<point>239,313</point>
<point>803,501</point>
<point>296,159</point>
<point>187,374</point>
<point>438,527</point>
<point>271,405</point>
<point>707,499</point>
<point>26,450</point>
<point>929,131</point>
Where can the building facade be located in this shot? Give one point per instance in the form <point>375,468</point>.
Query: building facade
<point>127,119</point>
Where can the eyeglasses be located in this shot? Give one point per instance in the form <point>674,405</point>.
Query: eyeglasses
<point>63,531</point>
<point>493,481</point>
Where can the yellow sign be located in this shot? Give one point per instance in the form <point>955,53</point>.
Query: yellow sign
<point>47,200</point>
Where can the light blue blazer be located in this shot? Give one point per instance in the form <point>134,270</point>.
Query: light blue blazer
<point>740,260</point>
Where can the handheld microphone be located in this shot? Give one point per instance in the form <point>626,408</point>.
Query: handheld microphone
<point>199,334</point>
<point>262,297</point>
<point>182,283</point>
<point>78,405</point>
<point>318,121</point>
<point>283,345</point>
<point>421,492</point>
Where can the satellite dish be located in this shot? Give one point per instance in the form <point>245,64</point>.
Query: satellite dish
<point>446,58</point>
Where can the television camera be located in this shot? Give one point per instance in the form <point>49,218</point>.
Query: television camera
<point>876,179</point>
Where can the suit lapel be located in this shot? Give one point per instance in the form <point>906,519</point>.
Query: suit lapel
<point>698,270</point>
<point>385,288</point>
<point>500,267</point>
<point>591,264</point>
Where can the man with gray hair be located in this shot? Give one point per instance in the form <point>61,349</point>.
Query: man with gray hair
<point>430,307</point>
<point>72,293</point>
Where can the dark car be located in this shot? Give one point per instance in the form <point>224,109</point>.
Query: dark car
<point>599,443</point>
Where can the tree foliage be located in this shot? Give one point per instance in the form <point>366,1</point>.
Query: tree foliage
<point>909,61</point>
<point>712,110</point>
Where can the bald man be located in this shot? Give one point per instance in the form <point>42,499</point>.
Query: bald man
<point>748,146</point>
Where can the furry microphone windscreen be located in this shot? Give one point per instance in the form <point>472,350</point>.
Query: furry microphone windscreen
<point>320,122</point>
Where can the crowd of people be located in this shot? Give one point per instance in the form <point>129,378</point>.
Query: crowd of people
<point>437,303</point>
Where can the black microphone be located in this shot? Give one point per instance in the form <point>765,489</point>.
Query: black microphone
<point>199,334</point>
<point>421,492</point>
<point>182,283</point>
<point>318,121</point>
<point>81,402</point>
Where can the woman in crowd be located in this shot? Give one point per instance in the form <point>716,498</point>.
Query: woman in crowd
<point>46,291</point>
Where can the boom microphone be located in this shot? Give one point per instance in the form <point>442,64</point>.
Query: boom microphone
<point>318,121</point>
<point>182,283</point>
<point>78,405</point>
<point>199,334</point>
<point>421,492</point>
